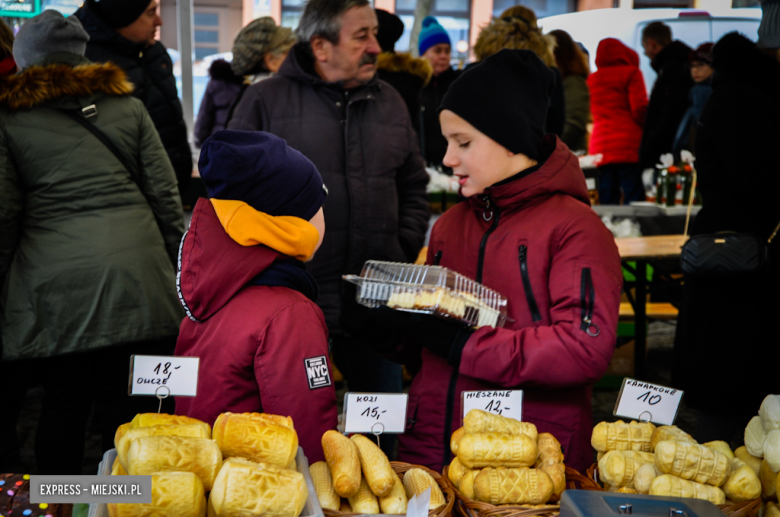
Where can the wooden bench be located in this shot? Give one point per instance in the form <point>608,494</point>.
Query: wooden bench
<point>655,311</point>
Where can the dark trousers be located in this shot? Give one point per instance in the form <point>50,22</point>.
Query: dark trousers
<point>365,371</point>
<point>620,176</point>
<point>72,385</point>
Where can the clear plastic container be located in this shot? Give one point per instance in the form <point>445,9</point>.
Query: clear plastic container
<point>429,290</point>
<point>311,509</point>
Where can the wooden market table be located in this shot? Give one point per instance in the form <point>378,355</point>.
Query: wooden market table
<point>643,250</point>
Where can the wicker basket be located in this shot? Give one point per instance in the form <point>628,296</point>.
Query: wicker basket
<point>400,468</point>
<point>465,507</point>
<point>744,509</point>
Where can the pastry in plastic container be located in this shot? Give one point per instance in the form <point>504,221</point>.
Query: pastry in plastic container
<point>429,290</point>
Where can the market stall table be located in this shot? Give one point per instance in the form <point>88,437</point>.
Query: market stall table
<point>643,250</point>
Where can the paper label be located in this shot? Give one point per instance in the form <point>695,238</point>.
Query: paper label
<point>647,402</point>
<point>376,413</point>
<point>418,504</point>
<point>164,375</point>
<point>508,403</point>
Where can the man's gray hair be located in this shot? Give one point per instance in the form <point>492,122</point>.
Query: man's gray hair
<point>323,18</point>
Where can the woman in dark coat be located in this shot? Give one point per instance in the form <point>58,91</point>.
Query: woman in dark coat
<point>573,64</point>
<point>221,92</point>
<point>88,247</point>
<point>726,331</point>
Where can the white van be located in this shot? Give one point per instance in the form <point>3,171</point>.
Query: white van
<point>691,26</point>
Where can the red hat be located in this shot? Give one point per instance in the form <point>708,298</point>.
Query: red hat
<point>702,53</point>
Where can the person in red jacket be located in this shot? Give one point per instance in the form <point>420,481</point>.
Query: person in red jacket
<point>526,230</point>
<point>251,316</point>
<point>618,101</point>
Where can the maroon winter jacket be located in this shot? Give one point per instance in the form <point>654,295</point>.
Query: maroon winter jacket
<point>544,249</point>
<point>618,101</point>
<point>261,349</point>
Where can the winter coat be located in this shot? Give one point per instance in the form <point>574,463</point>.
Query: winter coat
<point>221,93</point>
<point>434,144</point>
<point>150,69</point>
<point>363,144</point>
<point>618,101</point>
<point>261,348</point>
<point>548,253</point>
<point>577,99</point>
<point>408,75</point>
<point>726,322</point>
<point>83,264</point>
<point>668,102</point>
<point>686,133</point>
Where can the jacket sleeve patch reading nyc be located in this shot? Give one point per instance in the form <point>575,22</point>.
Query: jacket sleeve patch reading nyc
<point>317,372</point>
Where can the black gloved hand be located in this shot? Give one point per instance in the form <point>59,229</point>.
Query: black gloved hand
<point>382,328</point>
<point>444,337</point>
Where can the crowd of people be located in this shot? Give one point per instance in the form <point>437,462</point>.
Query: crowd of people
<point>313,150</point>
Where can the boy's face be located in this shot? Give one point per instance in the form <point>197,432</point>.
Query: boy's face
<point>476,159</point>
<point>700,71</point>
<point>318,221</point>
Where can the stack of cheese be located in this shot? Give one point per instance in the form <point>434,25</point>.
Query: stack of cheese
<point>356,477</point>
<point>762,443</point>
<point>247,465</point>
<point>494,456</point>
<point>666,461</point>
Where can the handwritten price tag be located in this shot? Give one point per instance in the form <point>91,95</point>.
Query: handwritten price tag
<point>647,402</point>
<point>377,413</point>
<point>164,375</point>
<point>505,403</point>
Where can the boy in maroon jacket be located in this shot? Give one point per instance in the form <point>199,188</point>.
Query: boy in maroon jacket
<point>526,230</point>
<point>251,316</point>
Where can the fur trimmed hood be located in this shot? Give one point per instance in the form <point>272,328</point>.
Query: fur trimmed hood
<point>516,34</point>
<point>404,62</point>
<point>38,84</point>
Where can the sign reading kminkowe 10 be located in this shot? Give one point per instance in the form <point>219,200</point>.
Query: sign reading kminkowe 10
<point>20,8</point>
<point>647,402</point>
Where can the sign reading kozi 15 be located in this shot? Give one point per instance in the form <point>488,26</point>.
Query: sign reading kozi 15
<point>20,8</point>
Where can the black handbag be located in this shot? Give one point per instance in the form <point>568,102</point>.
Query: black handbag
<point>723,253</point>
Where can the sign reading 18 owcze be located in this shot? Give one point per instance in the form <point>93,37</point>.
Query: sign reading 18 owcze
<point>647,402</point>
<point>164,375</point>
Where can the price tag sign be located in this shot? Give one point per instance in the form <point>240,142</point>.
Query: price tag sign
<point>647,402</point>
<point>163,375</point>
<point>375,413</point>
<point>505,403</point>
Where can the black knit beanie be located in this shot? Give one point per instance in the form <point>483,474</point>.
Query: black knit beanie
<point>506,97</point>
<point>118,13</point>
<point>391,28</point>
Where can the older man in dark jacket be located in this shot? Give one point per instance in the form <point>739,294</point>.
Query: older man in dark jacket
<point>327,103</point>
<point>669,97</point>
<point>123,32</point>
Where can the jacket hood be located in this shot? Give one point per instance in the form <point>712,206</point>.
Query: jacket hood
<point>404,62</point>
<point>299,66</point>
<point>613,52</point>
<point>212,266</point>
<point>221,71</point>
<point>101,33</point>
<point>559,174</point>
<point>674,51</point>
<point>54,79</point>
<point>737,59</point>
